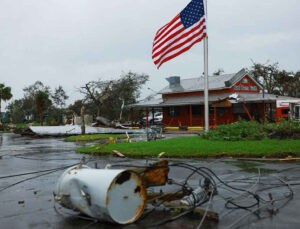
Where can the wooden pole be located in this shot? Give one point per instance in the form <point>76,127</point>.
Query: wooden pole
<point>147,120</point>
<point>246,109</point>
<point>152,115</point>
<point>264,113</point>
<point>215,116</point>
<point>191,115</point>
<point>271,112</point>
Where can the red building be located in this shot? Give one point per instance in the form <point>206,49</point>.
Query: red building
<point>231,97</point>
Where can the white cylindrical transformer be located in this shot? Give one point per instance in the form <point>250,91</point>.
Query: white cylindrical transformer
<point>117,196</point>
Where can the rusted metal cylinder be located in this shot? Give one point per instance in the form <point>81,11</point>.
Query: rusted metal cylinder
<point>117,196</point>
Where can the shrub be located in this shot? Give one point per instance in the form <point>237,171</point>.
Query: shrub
<point>51,122</point>
<point>241,130</point>
<point>286,129</point>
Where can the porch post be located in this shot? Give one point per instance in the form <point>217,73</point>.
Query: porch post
<point>271,112</point>
<point>147,113</point>
<point>215,116</point>
<point>152,115</point>
<point>191,115</point>
<point>131,116</point>
<point>232,114</point>
<point>264,113</point>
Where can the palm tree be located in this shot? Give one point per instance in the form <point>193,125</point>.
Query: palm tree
<point>5,94</point>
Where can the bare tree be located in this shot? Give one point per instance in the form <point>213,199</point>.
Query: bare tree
<point>276,81</point>
<point>109,96</point>
<point>59,97</point>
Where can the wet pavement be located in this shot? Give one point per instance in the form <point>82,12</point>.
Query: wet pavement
<point>27,200</point>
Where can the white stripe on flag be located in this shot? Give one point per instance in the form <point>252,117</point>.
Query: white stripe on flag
<point>181,48</point>
<point>177,36</point>
<point>167,26</point>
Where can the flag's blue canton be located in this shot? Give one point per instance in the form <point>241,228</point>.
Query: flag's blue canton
<point>192,13</point>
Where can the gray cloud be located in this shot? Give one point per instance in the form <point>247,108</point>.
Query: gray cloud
<point>69,42</point>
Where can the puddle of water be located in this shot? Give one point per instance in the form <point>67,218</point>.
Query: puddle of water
<point>250,167</point>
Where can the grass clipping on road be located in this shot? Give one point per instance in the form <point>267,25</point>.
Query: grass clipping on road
<point>199,147</point>
<point>93,137</point>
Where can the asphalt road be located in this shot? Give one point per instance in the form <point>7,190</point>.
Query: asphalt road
<point>27,200</point>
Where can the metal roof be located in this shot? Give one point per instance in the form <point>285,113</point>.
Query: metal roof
<point>214,82</point>
<point>199,100</point>
<point>149,103</point>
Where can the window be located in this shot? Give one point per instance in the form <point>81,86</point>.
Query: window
<point>196,110</point>
<point>237,87</point>
<point>239,109</point>
<point>220,111</point>
<point>245,80</point>
<point>211,111</point>
<point>253,88</point>
<point>245,88</point>
<point>285,111</point>
<point>174,111</point>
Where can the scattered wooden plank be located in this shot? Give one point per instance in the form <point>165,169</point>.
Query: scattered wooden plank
<point>210,214</point>
<point>117,153</point>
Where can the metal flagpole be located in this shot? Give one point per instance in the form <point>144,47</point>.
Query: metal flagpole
<point>206,105</point>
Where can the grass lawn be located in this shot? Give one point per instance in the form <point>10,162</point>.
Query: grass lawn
<point>25,125</point>
<point>21,125</point>
<point>92,137</point>
<point>198,147</point>
<point>6,131</point>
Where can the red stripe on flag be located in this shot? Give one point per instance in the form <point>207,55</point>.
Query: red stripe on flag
<point>165,27</point>
<point>181,51</point>
<point>157,40</point>
<point>184,35</point>
<point>180,45</point>
<point>168,38</point>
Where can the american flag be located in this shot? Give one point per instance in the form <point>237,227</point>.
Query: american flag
<point>179,35</point>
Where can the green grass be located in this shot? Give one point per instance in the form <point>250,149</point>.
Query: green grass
<point>25,125</point>
<point>6,131</point>
<point>198,147</point>
<point>92,137</point>
<point>21,125</point>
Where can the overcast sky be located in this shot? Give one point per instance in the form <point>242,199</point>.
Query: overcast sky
<point>70,42</point>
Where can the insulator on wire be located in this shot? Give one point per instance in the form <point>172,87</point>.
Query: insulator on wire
<point>197,196</point>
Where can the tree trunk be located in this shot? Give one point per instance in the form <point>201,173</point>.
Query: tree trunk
<point>82,120</point>
<point>41,118</point>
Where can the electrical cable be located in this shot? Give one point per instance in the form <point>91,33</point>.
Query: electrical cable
<point>30,178</point>
<point>209,174</point>
<point>194,170</point>
<point>206,210</point>
<point>255,196</point>
<point>39,171</point>
<point>178,215</point>
<point>50,159</point>
<point>244,216</point>
<point>232,200</point>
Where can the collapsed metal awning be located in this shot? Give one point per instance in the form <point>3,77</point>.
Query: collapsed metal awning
<point>76,130</point>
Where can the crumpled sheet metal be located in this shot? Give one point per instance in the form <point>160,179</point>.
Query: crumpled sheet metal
<point>157,176</point>
<point>76,130</point>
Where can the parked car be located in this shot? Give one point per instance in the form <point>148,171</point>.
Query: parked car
<point>158,117</point>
